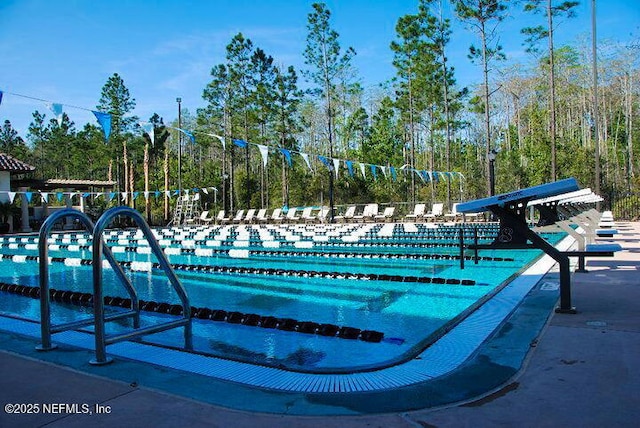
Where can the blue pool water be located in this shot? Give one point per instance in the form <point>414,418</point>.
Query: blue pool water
<point>410,314</point>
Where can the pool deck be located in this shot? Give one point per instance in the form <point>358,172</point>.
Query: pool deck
<point>582,371</point>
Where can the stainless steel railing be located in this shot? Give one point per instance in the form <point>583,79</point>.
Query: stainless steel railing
<point>101,339</point>
<point>46,328</point>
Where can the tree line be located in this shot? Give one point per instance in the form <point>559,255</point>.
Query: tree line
<point>537,121</point>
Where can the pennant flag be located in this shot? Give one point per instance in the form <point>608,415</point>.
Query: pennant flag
<point>434,176</point>
<point>364,175</point>
<point>287,155</point>
<point>158,193</point>
<point>349,167</point>
<point>44,196</point>
<point>84,195</point>
<point>224,146</point>
<point>148,128</point>
<point>373,171</point>
<point>104,119</point>
<point>57,111</point>
<point>336,166</point>
<point>384,170</point>
<point>135,195</point>
<point>0,97</point>
<point>99,194</point>
<point>146,196</point>
<point>264,151</point>
<point>394,175</point>
<point>326,162</point>
<point>29,195</point>
<point>205,190</point>
<point>176,192</point>
<point>188,134</point>
<point>12,196</point>
<point>59,196</point>
<point>240,143</point>
<point>124,196</point>
<point>167,193</point>
<point>111,196</point>
<point>305,156</point>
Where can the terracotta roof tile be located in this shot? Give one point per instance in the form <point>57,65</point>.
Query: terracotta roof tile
<point>11,164</point>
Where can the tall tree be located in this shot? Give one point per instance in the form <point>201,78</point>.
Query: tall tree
<point>534,35</point>
<point>483,17</point>
<point>10,142</point>
<point>116,100</point>
<point>327,64</point>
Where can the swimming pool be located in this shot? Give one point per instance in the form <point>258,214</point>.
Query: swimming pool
<point>403,281</point>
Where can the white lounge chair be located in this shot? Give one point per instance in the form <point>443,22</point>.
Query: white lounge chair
<point>387,215</point>
<point>418,212</point>
<point>436,212</point>
<point>291,215</point>
<point>221,218</point>
<point>454,215</point>
<point>249,217</point>
<point>370,211</point>
<point>322,215</point>
<point>306,216</point>
<point>238,216</point>
<point>348,214</point>
<point>261,216</point>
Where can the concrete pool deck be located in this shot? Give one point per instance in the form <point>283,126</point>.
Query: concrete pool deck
<point>581,371</point>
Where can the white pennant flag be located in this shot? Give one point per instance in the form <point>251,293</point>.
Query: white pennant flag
<point>57,111</point>
<point>12,196</point>
<point>336,166</point>
<point>384,170</point>
<point>305,156</point>
<point>264,151</point>
<point>99,194</point>
<point>168,193</point>
<point>224,146</point>
<point>146,196</point>
<point>149,129</point>
<point>44,196</point>
<point>362,169</point>
<point>205,191</point>
<point>124,197</point>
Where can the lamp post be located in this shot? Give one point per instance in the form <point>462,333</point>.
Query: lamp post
<point>179,101</point>
<point>492,174</point>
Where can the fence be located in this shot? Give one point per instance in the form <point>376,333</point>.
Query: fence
<point>624,206</point>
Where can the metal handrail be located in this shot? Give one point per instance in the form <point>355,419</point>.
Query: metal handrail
<point>46,328</point>
<point>98,304</point>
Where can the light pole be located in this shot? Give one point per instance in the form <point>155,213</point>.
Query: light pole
<point>492,174</point>
<point>179,101</point>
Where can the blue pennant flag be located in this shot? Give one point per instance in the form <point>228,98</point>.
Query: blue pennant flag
<point>0,97</point>
<point>135,195</point>
<point>287,155</point>
<point>393,173</point>
<point>188,134</point>
<point>424,175</point>
<point>111,196</point>
<point>435,176</point>
<point>349,167</point>
<point>176,192</point>
<point>240,143</point>
<point>29,195</point>
<point>158,193</point>
<point>104,119</point>
<point>373,171</point>
<point>86,194</point>
<point>59,195</point>
<point>326,162</point>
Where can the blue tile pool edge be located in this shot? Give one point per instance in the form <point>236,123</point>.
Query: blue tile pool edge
<point>464,363</point>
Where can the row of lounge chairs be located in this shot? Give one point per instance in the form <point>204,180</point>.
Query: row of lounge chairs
<point>307,215</point>
<point>370,213</point>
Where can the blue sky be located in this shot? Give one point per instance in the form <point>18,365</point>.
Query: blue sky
<point>64,51</point>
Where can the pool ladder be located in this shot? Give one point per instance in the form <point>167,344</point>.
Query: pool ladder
<point>99,318</point>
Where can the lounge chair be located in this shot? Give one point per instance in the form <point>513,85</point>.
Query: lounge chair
<point>291,215</point>
<point>306,216</point>
<point>249,217</point>
<point>436,212</point>
<point>454,215</point>
<point>418,212</point>
<point>370,211</point>
<point>276,216</point>
<point>387,215</point>
<point>238,217</point>
<point>221,218</point>
<point>200,219</point>
<point>348,215</point>
<point>322,215</point>
<point>261,216</point>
